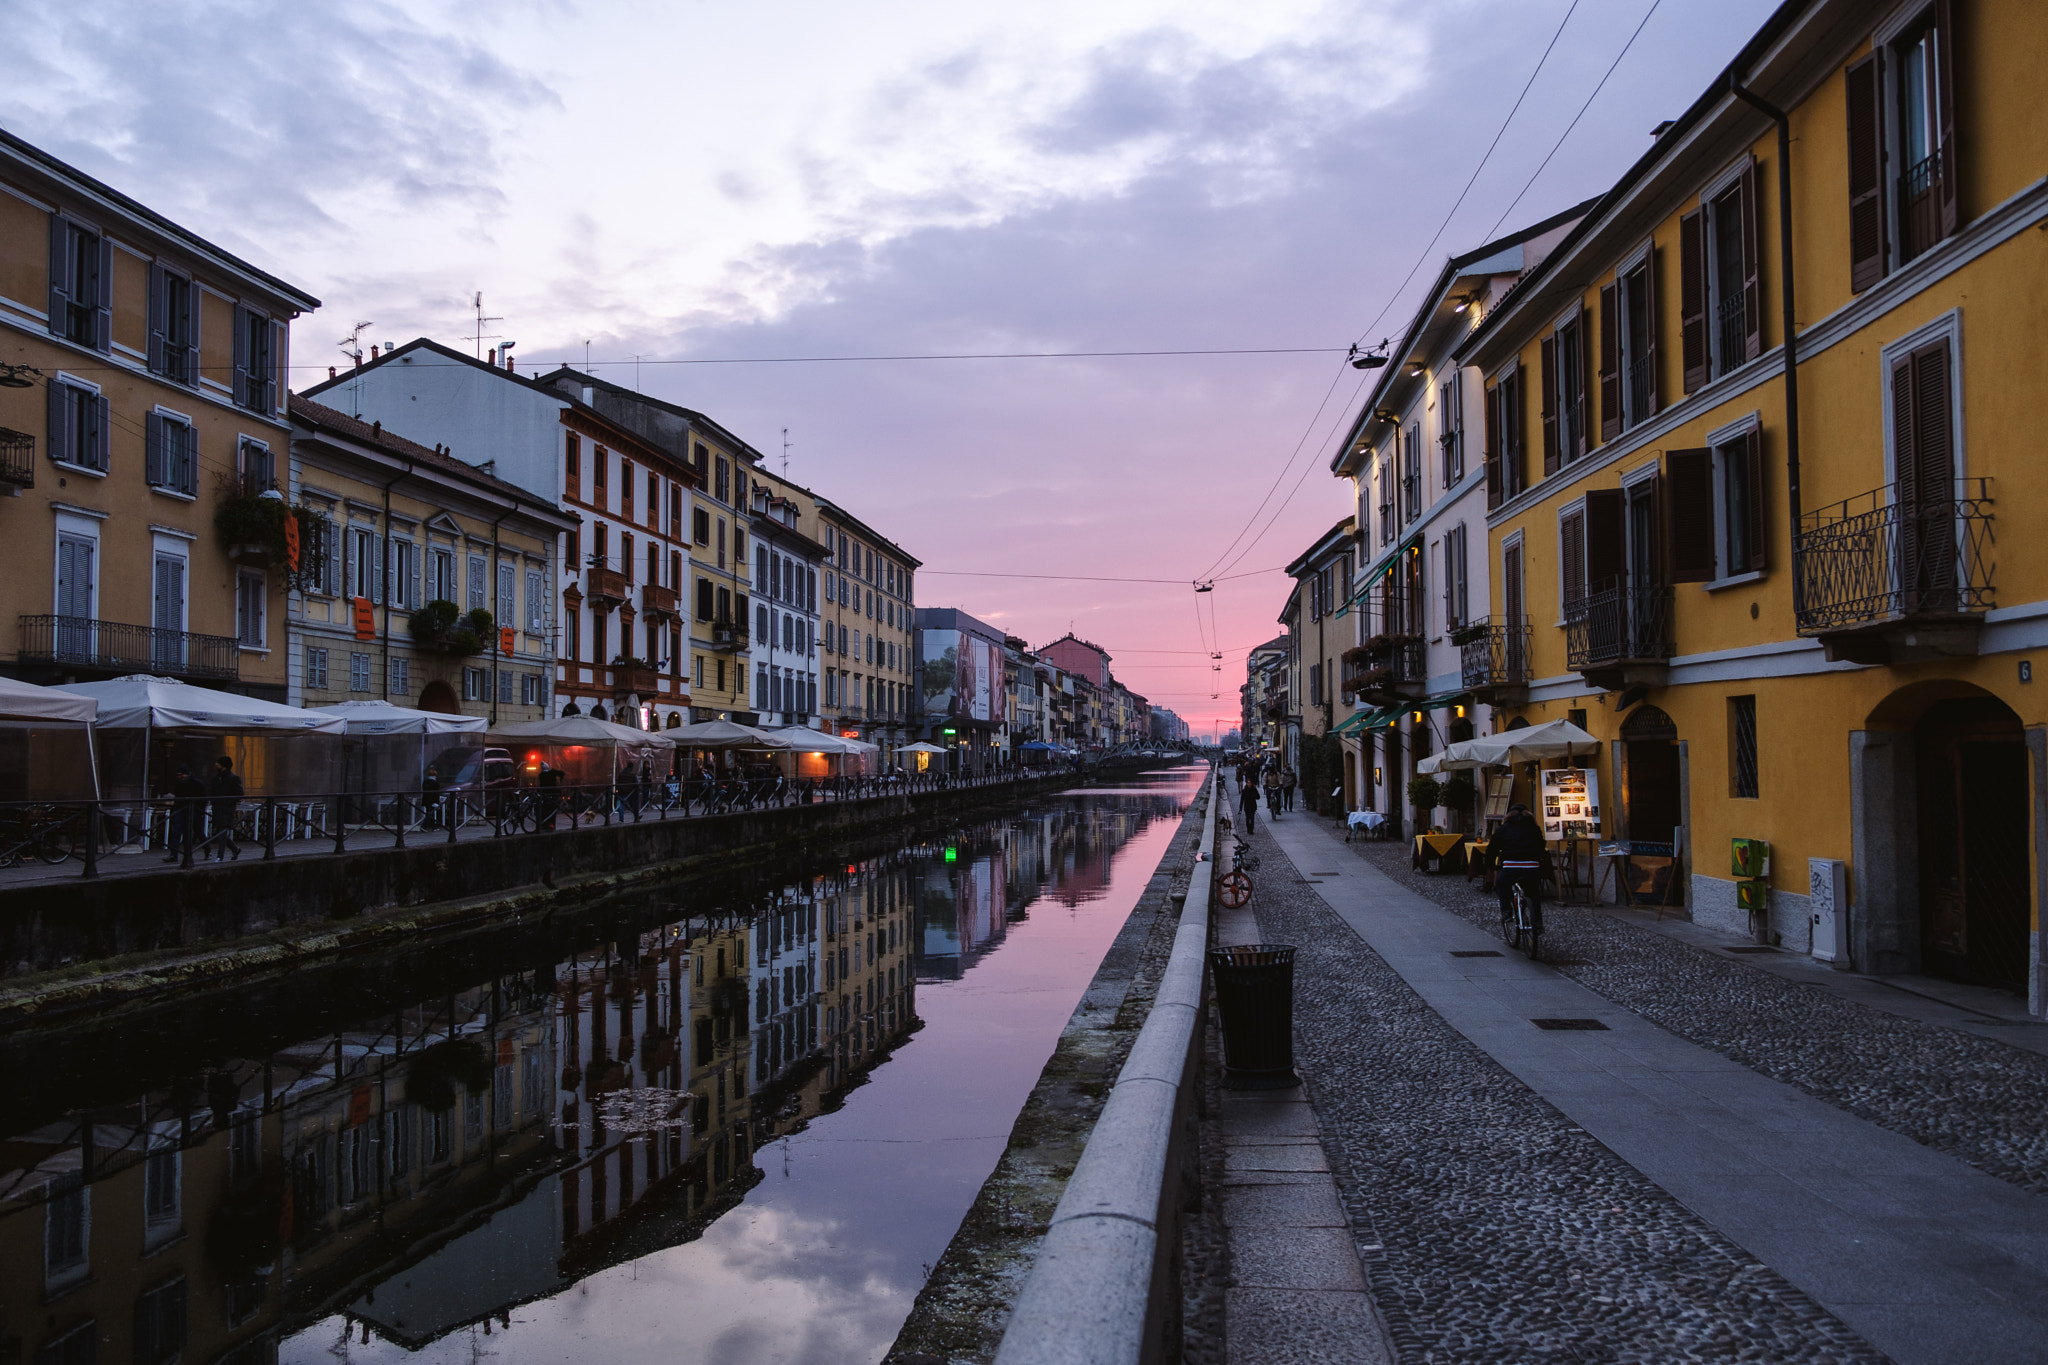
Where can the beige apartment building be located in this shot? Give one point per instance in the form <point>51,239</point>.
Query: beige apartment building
<point>143,375</point>
<point>868,617</point>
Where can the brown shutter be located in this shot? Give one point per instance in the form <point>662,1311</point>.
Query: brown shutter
<point>1551,458</point>
<point>1610,361</point>
<point>1689,515</point>
<point>1692,299</point>
<point>1759,523</point>
<point>1866,175</point>
<point>280,376</point>
<point>1606,539</point>
<point>1583,397</point>
<point>103,319</point>
<point>1647,345</point>
<point>1514,413</point>
<point>1945,114</point>
<point>1571,549</point>
<point>242,377</point>
<point>1496,483</point>
<point>1752,269</point>
<point>58,443</point>
<point>159,319</point>
<point>60,272</point>
<point>153,471</point>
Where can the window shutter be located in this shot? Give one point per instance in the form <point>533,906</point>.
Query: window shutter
<point>412,559</point>
<point>60,272</point>
<point>102,433</point>
<point>242,385</point>
<point>1689,515</point>
<point>1646,345</point>
<point>1752,269</point>
<point>380,568</point>
<point>103,280</point>
<point>1583,398</point>
<point>280,360</point>
<point>1551,459</point>
<point>1610,361</point>
<point>1866,174</point>
<point>1945,114</point>
<point>153,450</point>
<point>1692,299</point>
<point>188,319</point>
<point>1606,539</point>
<point>59,443</point>
<point>1571,550</point>
<point>159,324</point>
<point>1759,524</point>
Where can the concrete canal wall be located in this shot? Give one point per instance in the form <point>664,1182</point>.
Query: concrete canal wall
<point>77,943</point>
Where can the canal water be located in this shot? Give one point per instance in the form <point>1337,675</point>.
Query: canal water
<point>737,1122</point>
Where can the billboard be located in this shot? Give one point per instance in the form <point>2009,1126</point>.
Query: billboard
<point>959,676</point>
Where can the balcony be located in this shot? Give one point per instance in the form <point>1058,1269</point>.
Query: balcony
<point>1386,669</point>
<point>1886,579</point>
<point>656,600</point>
<point>1921,191</point>
<point>637,678</point>
<point>1494,659</point>
<point>607,588</point>
<point>727,636</point>
<point>1619,635</point>
<point>80,642</point>
<point>17,459</point>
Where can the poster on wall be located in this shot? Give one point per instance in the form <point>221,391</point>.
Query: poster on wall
<point>980,692</point>
<point>1571,803</point>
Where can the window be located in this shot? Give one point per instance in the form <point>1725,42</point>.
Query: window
<point>1902,147</point>
<point>1571,557</point>
<point>162,1169</point>
<point>477,572</point>
<point>1315,684</point>
<point>1565,427</point>
<point>653,564</point>
<point>722,489</point>
<point>529,689</point>
<point>81,425</point>
<point>1742,746</point>
<point>625,488</point>
<point>704,606</point>
<point>403,590</point>
<point>599,460</point>
<point>1628,348</point>
<point>259,346</point>
<point>173,326</point>
<point>81,284</point>
<point>1714,509</point>
<point>476,684</point>
<point>171,453</point>
<point>1450,417</point>
<point>1507,473</point>
<point>1720,307</point>
<point>701,525</point>
<point>626,556</point>
<point>1411,473</point>
<point>1386,502</point>
<point>504,688</point>
<point>572,465</point>
<point>358,672</point>
<point>316,667</point>
<point>1456,598</point>
<point>508,609</point>
<point>401,677</point>
<point>675,511</point>
<point>249,603</point>
<point>536,603</point>
<point>440,574</point>
<point>67,1228</point>
<point>160,1323</point>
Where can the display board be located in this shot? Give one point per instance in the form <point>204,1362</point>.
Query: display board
<point>1571,803</point>
<point>1500,791</point>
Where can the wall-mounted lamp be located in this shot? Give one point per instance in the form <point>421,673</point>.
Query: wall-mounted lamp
<point>1378,776</point>
<point>1416,369</point>
<point>1461,713</point>
<point>1418,716</point>
<point>1389,416</point>
<point>1464,301</point>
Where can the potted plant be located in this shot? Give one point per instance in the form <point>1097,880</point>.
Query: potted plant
<point>1425,793</point>
<point>1455,793</point>
<point>445,628</point>
<point>251,529</point>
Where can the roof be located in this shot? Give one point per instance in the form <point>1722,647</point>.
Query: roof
<point>552,379</point>
<point>320,417</point>
<point>1323,544</point>
<point>49,165</point>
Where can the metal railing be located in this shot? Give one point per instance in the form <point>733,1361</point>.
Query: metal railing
<point>1640,377</point>
<point>1493,654</point>
<point>1877,557</point>
<point>1621,623</point>
<point>83,642</point>
<point>1920,194</point>
<point>17,459</point>
<point>1733,321</point>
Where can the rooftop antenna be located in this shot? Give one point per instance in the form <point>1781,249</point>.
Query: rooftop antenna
<point>352,344</point>
<point>636,380</point>
<point>785,452</point>
<point>586,356</point>
<point>481,335</point>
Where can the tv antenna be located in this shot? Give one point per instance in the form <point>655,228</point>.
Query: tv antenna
<point>785,452</point>
<point>481,335</point>
<point>352,344</point>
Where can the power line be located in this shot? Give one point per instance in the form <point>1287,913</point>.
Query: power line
<point>1306,432</point>
<point>1074,577</point>
<point>866,359</point>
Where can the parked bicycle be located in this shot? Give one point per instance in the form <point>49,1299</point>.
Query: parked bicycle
<point>34,832</point>
<point>1236,887</point>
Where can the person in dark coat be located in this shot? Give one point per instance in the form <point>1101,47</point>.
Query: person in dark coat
<point>550,784</point>
<point>188,795</point>
<point>225,793</point>
<point>1517,852</point>
<point>430,797</point>
<point>1248,802</point>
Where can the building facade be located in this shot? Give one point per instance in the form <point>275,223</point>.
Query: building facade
<point>869,615</point>
<point>143,375</point>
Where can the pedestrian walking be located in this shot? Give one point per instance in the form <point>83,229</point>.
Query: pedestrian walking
<point>550,783</point>
<point>1288,782</point>
<point>188,796</point>
<point>225,794</point>
<point>1271,782</point>
<point>1248,802</point>
<point>430,797</point>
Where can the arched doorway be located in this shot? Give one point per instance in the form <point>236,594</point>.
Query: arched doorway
<point>1970,766</point>
<point>439,696</point>
<point>1651,799</point>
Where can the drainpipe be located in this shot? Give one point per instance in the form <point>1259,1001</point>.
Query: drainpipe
<point>384,572</point>
<point>1778,116</point>
<point>497,567</point>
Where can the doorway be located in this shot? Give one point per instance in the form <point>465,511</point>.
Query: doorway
<point>439,696</point>
<point>1974,835</point>
<point>1652,800</point>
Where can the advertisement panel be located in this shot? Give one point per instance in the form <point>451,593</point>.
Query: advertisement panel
<point>942,667</point>
<point>981,693</point>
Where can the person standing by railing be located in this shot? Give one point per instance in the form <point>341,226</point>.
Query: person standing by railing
<point>430,798</point>
<point>188,795</point>
<point>226,794</point>
<point>550,784</point>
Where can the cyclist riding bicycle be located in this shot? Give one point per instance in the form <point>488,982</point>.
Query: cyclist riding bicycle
<point>1517,851</point>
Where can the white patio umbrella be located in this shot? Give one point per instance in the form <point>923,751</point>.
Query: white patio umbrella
<point>921,747</point>
<point>382,718</point>
<point>1553,739</point>
<point>722,734</point>
<point>46,743</point>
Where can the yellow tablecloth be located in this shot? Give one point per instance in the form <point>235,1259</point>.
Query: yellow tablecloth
<point>1439,844</point>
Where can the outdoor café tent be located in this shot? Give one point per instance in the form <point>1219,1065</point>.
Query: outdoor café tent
<point>1554,739</point>
<point>387,748</point>
<point>45,744</point>
<point>587,751</point>
<point>147,726</point>
<point>820,753</point>
<point>921,747</point>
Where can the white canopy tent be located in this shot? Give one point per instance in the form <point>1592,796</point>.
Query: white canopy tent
<point>587,751</point>
<point>1554,739</point>
<point>147,726</point>
<point>388,747</point>
<point>46,749</point>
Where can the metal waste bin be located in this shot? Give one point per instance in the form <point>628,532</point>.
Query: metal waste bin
<point>1255,995</point>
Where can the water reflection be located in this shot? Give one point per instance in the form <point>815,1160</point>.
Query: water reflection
<point>477,1163</point>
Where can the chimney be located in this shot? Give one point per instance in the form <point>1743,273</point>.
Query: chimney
<point>373,350</point>
<point>377,428</point>
<point>494,358</point>
<point>330,372</point>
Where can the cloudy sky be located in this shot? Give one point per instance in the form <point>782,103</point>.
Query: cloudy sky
<point>702,181</point>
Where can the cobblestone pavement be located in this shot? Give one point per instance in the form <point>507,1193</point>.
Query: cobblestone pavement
<point>1973,1098</point>
<point>1493,1228</point>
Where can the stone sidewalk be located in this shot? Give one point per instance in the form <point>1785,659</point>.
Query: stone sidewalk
<point>1794,1215</point>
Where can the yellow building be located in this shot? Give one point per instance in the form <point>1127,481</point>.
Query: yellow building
<point>869,612</point>
<point>143,377</point>
<point>1783,606</point>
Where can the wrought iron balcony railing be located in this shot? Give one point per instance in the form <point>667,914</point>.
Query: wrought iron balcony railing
<point>110,646</point>
<point>1619,624</point>
<point>1493,655</point>
<point>17,459</point>
<point>725,635</point>
<point>1921,190</point>
<point>1879,558</point>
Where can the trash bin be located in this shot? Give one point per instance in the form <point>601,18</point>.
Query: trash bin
<point>1255,995</point>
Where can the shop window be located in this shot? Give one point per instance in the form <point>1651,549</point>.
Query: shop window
<point>1742,746</point>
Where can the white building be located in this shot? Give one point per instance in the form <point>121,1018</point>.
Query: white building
<point>785,644</point>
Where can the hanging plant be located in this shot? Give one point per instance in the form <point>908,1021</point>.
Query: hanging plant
<point>443,627</point>
<point>250,529</point>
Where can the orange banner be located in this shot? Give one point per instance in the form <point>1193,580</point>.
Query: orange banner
<point>291,540</point>
<point>505,639</point>
<point>366,620</point>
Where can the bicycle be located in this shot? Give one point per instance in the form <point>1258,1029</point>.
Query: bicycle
<point>1236,887</point>
<point>34,833</point>
<point>1520,928</point>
